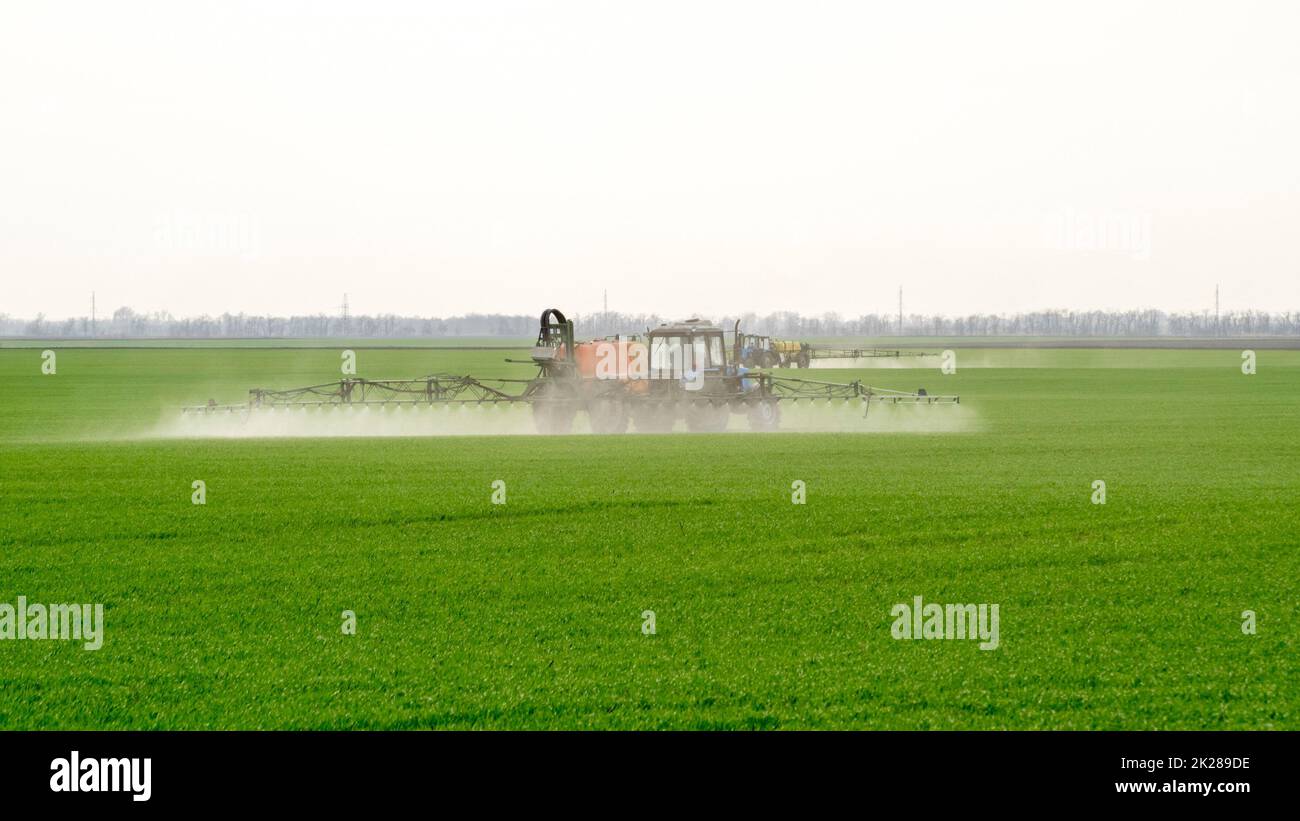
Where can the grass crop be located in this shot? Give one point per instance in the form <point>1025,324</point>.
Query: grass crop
<point>768,615</point>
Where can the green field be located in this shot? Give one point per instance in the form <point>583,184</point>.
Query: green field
<point>1126,615</point>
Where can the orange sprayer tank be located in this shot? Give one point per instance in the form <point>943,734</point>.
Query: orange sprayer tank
<point>613,359</point>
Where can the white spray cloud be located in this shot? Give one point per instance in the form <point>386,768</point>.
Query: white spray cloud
<point>805,416</point>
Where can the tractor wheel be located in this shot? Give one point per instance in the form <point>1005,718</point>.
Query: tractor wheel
<point>705,417</point>
<point>764,415</point>
<point>608,414</point>
<point>805,360</point>
<point>654,417</point>
<point>554,409</point>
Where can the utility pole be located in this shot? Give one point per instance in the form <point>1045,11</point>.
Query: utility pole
<point>900,310</point>
<point>345,313</point>
<point>92,313</point>
<point>1216,309</point>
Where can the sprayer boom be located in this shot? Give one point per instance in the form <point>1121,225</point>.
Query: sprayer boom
<point>685,371</point>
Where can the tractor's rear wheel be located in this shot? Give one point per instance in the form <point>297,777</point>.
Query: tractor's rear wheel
<point>608,414</point>
<point>706,417</point>
<point>764,415</point>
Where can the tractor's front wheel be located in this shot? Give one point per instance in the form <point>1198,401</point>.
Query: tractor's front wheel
<point>706,417</point>
<point>554,409</point>
<point>654,416</point>
<point>764,416</point>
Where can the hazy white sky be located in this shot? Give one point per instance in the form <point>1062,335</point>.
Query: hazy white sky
<point>447,157</point>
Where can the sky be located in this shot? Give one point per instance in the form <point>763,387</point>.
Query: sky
<point>703,157</point>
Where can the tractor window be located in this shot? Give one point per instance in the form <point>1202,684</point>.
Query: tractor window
<point>715,352</point>
<point>672,357</point>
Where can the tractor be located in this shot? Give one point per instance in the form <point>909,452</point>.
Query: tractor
<point>677,371</point>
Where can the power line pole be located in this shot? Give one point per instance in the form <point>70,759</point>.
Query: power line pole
<point>92,313</point>
<point>345,313</point>
<point>900,310</point>
<point>1216,309</point>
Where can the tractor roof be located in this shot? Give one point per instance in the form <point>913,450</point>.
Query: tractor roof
<point>690,326</point>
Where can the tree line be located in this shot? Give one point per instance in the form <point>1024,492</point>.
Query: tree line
<point>126,323</point>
